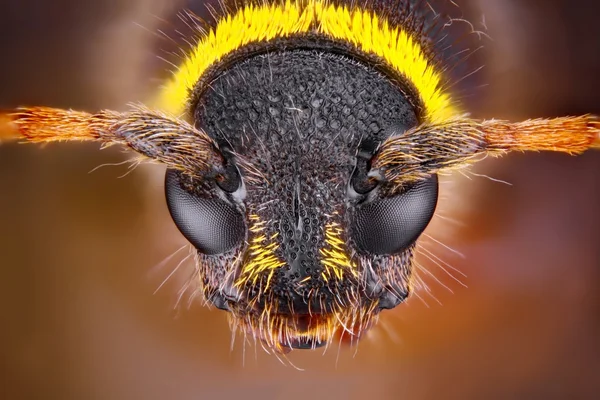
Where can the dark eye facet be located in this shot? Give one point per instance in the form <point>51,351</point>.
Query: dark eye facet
<point>390,225</point>
<point>212,225</point>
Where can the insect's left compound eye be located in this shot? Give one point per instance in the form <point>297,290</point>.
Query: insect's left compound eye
<point>390,225</point>
<point>212,225</point>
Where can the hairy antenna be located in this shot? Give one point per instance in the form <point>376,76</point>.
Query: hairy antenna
<point>152,134</point>
<point>427,149</point>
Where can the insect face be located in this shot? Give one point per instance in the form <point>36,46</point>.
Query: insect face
<point>324,243</point>
<point>302,141</point>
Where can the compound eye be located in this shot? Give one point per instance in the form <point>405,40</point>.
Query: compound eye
<point>212,225</point>
<point>390,225</point>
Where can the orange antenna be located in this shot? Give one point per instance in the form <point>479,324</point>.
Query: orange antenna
<point>154,135</point>
<point>424,150</point>
<point>572,135</point>
<point>43,124</point>
<point>8,130</point>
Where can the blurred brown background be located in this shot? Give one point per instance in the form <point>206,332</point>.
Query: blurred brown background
<point>79,250</point>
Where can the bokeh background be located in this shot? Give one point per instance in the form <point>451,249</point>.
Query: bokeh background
<point>80,251</point>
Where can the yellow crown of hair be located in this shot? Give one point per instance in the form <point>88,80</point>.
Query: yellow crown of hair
<point>259,23</point>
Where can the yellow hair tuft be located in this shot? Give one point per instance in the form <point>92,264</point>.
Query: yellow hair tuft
<point>369,32</point>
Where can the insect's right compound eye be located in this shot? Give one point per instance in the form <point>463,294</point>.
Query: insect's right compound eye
<point>212,225</point>
<point>390,225</point>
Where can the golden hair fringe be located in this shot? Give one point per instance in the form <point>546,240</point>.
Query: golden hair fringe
<point>369,32</point>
